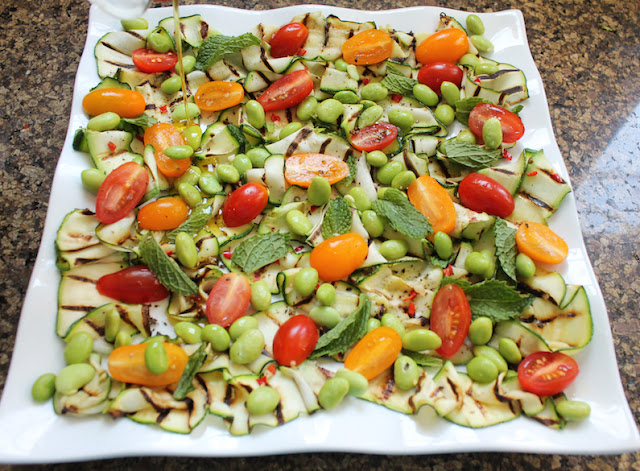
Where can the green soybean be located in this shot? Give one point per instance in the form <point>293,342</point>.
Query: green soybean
<point>352,71</point>
<point>475,24</point>
<point>319,191</point>
<point>425,95</point>
<point>486,68</point>
<point>112,323</point>
<point>573,410</point>
<point>325,316</point>
<point>217,336</point>
<point>179,152</point>
<point>373,324</point>
<point>388,171</point>
<point>260,295</point>
<point>248,347</point>
<point>374,91</point>
<point>73,377</point>
<point>333,392</point>
<point>360,198</point>
<point>481,43</point>
<point>450,92</point>
<point>189,194</point>
<point>189,332</point>
<point>92,178</point>
<point>135,23</point>
<point>443,244</point>
<point>305,281</point>
<point>370,116</point>
<point>78,348</point>
<point>155,338</point>
<point>341,65</point>
<point>421,339</point>
<point>493,355</point>
<point>482,370</point>
<point>492,133</point>
<point>402,119</point>
<point>393,249</point>
<point>44,387</point>
<point>509,350</point>
<point>241,325</point>
<point>104,122</point>
<point>376,158</point>
<point>470,60</point>
<point>480,330</point>
<point>406,372</point>
<point>346,97</point>
<point>193,136</point>
<point>263,400</point>
<point>180,113</point>
<point>159,42</point>
<point>255,114</point>
<point>307,108</point>
<point>209,184</point>
<point>156,358</point>
<point>466,136</point>
<point>186,250</point>
<point>373,224</point>
<point>358,384</point>
<point>390,320</point>
<point>227,173</point>
<point>289,129</point>
<point>445,114</point>
<point>525,267</point>
<point>367,103</point>
<point>122,339</point>
<point>258,155</point>
<point>402,180</point>
<point>326,294</point>
<point>476,263</point>
<point>329,110</point>
<point>298,222</point>
<point>242,163</point>
<point>188,64</point>
<point>171,85</point>
<point>191,176</point>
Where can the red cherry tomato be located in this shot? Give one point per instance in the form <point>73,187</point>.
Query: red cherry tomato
<point>432,75</point>
<point>288,40</point>
<point>244,204</point>
<point>287,91</point>
<point>228,299</point>
<point>374,137</point>
<point>450,318</point>
<point>295,340</point>
<point>149,61</point>
<point>512,127</point>
<point>547,373</point>
<point>484,194</point>
<point>120,192</point>
<point>133,285</point>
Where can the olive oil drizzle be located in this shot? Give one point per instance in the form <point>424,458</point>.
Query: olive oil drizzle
<point>178,40</point>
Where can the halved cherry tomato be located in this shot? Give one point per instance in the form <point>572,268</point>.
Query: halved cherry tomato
<point>512,127</point>
<point>483,194</point>
<point>244,204</point>
<point>433,201</point>
<point>219,95</point>
<point>161,136</point>
<point>288,40</point>
<point>300,169</point>
<point>133,285</point>
<point>127,365</point>
<point>125,103</point>
<point>367,47</point>
<point>228,299</point>
<point>295,340</point>
<point>432,75</point>
<point>450,318</point>
<point>375,352</point>
<point>547,373</point>
<point>447,45</point>
<point>149,61</point>
<point>287,91</point>
<point>540,243</point>
<point>163,214</point>
<point>374,137</point>
<point>337,257</point>
<point>120,192</point>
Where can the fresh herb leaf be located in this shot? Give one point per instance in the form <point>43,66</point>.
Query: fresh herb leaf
<point>137,125</point>
<point>165,268</point>
<point>506,252</point>
<point>517,109</point>
<point>353,170</point>
<point>185,385</point>
<point>218,46</point>
<point>438,262</point>
<point>347,332</point>
<point>398,83</point>
<point>239,136</point>
<point>196,221</point>
<point>472,156</point>
<point>261,250</point>
<point>337,218</point>
<point>402,215</point>
<point>424,359</point>
<point>464,107</point>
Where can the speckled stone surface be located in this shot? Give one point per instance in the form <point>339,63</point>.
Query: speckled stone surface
<point>588,53</point>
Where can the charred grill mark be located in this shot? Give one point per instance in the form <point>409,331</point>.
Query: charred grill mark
<point>229,395</point>
<point>327,28</point>
<point>553,175</point>
<point>233,69</point>
<point>98,328</point>
<point>536,201</point>
<point>150,106</point>
<point>546,421</point>
<point>499,396</point>
<point>536,292</point>
<point>204,29</point>
<point>324,145</point>
<point>82,279</point>
<point>542,322</point>
<point>278,413</point>
<point>162,415</point>
<point>190,405</point>
<point>146,318</point>
<point>203,385</point>
<point>289,114</point>
<point>121,65</point>
<point>504,171</point>
<point>263,58</point>
<point>387,391</point>
<point>454,388</point>
<point>302,135</point>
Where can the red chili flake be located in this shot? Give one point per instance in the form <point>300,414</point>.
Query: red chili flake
<point>507,155</point>
<point>275,117</point>
<point>170,253</point>
<point>412,309</point>
<point>302,52</point>
<point>365,81</point>
<point>164,109</point>
<point>256,277</point>
<point>271,369</point>
<point>557,177</point>
<point>299,249</point>
<point>26,126</point>
<point>448,271</point>
<point>396,97</point>
<point>112,146</point>
<point>476,80</point>
<point>313,208</point>
<point>411,296</point>
<point>532,173</point>
<point>227,254</point>
<point>262,381</point>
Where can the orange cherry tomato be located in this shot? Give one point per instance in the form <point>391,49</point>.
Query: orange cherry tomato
<point>375,352</point>
<point>541,243</point>
<point>428,196</point>
<point>337,257</point>
<point>127,365</point>
<point>450,318</point>
<point>447,45</point>
<point>228,299</point>
<point>161,136</point>
<point>125,103</point>
<point>163,214</point>
<point>219,95</point>
<point>367,47</point>
<point>300,169</point>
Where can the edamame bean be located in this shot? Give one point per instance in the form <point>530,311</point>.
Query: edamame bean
<point>190,194</point>
<point>475,24</point>
<point>450,92</point>
<point>333,392</point>
<point>373,223</point>
<point>476,263</point>
<point>122,339</point>
<point>179,152</point>
<point>482,370</point>
<point>470,60</point>
<point>44,387</point>
<point>298,222</point>
<point>525,267</point>
<point>255,114</point>
<point>263,400</point>
<point>390,320</point>
<point>425,95</point>
<point>485,68</point>
<point>241,325</point>
<point>421,339</point>
<point>307,108</point>
<point>388,171</point>
<point>112,323</point>
<point>78,348</point>
<point>209,183</point>
<point>73,377</point>
<point>480,330</point>
<point>352,71</point>
<point>367,104</point>
<point>92,178</point>
<point>374,91</point>
<point>346,97</point>
<point>402,180</point>
<point>135,23</point>
<point>466,136</point>
<point>481,43</point>
<point>573,410</point>
<point>104,122</point>
<point>189,332</point>
<point>329,110</point>
<point>171,85</point>
<point>227,173</point>
<point>393,249</point>
<point>493,355</point>
<point>260,295</point>
<point>370,116</point>
<point>341,65</point>
<point>258,155</point>
<point>186,250</point>
<point>319,191</point>
<point>402,119</point>
<point>376,158</point>
<point>406,372</point>
<point>159,42</point>
<point>305,281</point>
<point>325,316</point>
<point>155,338</point>
<point>247,347</point>
<point>326,294</point>
<point>445,114</point>
<point>242,163</point>
<point>373,324</point>
<point>191,176</point>
<point>217,336</point>
<point>180,113</point>
<point>360,198</point>
<point>188,64</point>
<point>289,129</point>
<point>509,350</point>
<point>492,133</point>
<point>443,245</point>
<point>156,358</point>
<point>193,136</point>
<point>358,384</point>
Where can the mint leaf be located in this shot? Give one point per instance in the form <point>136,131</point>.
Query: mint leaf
<point>137,125</point>
<point>464,107</point>
<point>472,156</point>
<point>399,84</point>
<point>185,385</point>
<point>337,218</point>
<point>218,46</point>
<point>165,268</point>
<point>261,250</point>
<point>353,170</point>
<point>424,359</point>
<point>196,221</point>
<point>517,109</point>
<point>402,215</point>
<point>239,136</point>
<point>348,331</point>
<point>506,252</point>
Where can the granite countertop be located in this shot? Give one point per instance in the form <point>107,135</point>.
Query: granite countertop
<point>588,52</point>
